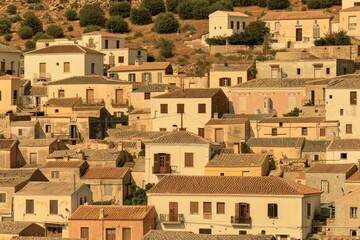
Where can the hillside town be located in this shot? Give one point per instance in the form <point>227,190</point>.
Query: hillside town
<point>99,140</point>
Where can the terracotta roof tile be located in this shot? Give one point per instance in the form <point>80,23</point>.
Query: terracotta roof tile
<point>5,48</point>
<point>191,93</point>
<point>139,165</point>
<point>6,144</point>
<point>296,15</point>
<point>229,67</point>
<point>105,173</point>
<point>153,87</point>
<point>13,227</point>
<point>43,142</point>
<point>8,77</point>
<point>23,123</point>
<point>111,212</point>
<point>301,175</point>
<point>64,164</point>
<point>316,145</point>
<point>227,121</point>
<point>177,184</point>
<point>344,145</point>
<point>89,154</point>
<point>293,120</point>
<point>89,79</point>
<point>332,168</point>
<point>251,117</point>
<point>140,111</point>
<point>71,48</point>
<point>276,142</point>
<point>63,102</point>
<point>134,135</point>
<point>142,67</point>
<point>105,34</point>
<point>349,81</point>
<point>38,91</point>
<point>48,188</point>
<point>354,178</point>
<point>235,14</point>
<point>274,83</point>
<point>237,160</point>
<point>180,137</point>
<point>13,177</point>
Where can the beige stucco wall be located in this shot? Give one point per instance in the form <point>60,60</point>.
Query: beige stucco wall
<point>296,224</point>
<point>278,153</point>
<point>129,54</point>
<point>65,174</point>
<point>42,152</point>
<point>9,158</point>
<point>140,122</point>
<point>239,171</point>
<point>11,59</point>
<point>232,133</point>
<point>99,41</point>
<point>233,75</point>
<point>183,81</point>
<point>219,24</point>
<point>7,100</point>
<point>335,156</point>
<point>154,77</point>
<point>137,99</point>
<point>349,3</point>
<point>6,207</point>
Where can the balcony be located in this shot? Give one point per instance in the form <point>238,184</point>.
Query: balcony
<point>171,218</point>
<point>41,78</point>
<point>119,104</point>
<point>93,102</point>
<point>312,103</point>
<point>243,221</point>
<point>162,170</point>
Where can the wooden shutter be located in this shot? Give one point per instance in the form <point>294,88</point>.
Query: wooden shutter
<point>237,212</point>
<point>353,99</point>
<point>126,234</point>
<point>229,82</point>
<point>143,77</point>
<point>84,232</point>
<point>53,207</point>
<point>221,82</point>
<point>207,210</point>
<point>173,211</point>
<point>202,108</point>
<point>201,132</point>
<point>348,128</point>
<point>167,163</point>
<point>220,208</point>
<point>180,108</point>
<point>194,207</point>
<point>156,163</point>
<point>322,132</point>
<point>110,234</point>
<point>29,206</point>
<point>189,159</point>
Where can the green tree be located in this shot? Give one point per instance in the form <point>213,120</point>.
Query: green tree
<point>253,34</point>
<point>139,196</point>
<point>140,16</point>
<point>91,14</point>
<point>166,23</point>
<point>171,5</point>
<point>32,21</point>
<point>155,6</point>
<point>91,28</point>
<point>277,4</point>
<point>116,24</point>
<point>8,37</point>
<point>71,15</point>
<point>316,4</point>
<point>41,35</point>
<point>120,9</point>
<point>5,25</point>
<point>200,9</point>
<point>245,148</point>
<point>25,32</point>
<point>167,48</point>
<point>293,113</point>
<point>218,40</point>
<point>70,28</point>
<point>30,45</point>
<point>11,9</point>
<point>185,8</point>
<point>337,38</point>
<point>223,5</point>
<point>55,31</point>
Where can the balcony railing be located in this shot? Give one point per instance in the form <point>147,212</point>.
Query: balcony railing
<point>241,220</point>
<point>172,218</point>
<point>119,104</point>
<point>309,102</point>
<point>161,170</point>
<point>42,77</point>
<point>14,101</point>
<point>93,102</point>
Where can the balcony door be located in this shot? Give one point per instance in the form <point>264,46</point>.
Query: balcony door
<point>89,95</point>
<point>173,211</point>
<point>299,34</point>
<point>242,213</point>
<point>2,67</point>
<point>162,163</point>
<point>42,69</point>
<point>119,95</point>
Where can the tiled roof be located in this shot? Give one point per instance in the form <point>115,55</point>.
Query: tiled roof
<point>6,144</point>
<point>336,19</point>
<point>64,164</point>
<point>91,212</point>
<point>131,144</point>
<point>153,87</point>
<point>8,77</point>
<point>139,165</point>
<point>274,83</point>
<point>254,117</point>
<point>89,79</point>
<point>104,34</point>
<point>4,48</point>
<point>237,160</point>
<point>13,227</point>
<point>344,145</point>
<point>351,9</point>
<point>71,48</point>
<point>293,120</point>
<point>331,168</point>
<point>191,93</point>
<point>105,173</point>
<point>90,154</point>
<point>324,81</point>
<point>227,121</point>
<point>38,91</point>
<point>180,137</point>
<point>48,189</point>
<point>296,15</point>
<point>23,123</point>
<point>354,178</point>
<point>301,175</point>
<point>349,81</point>
<point>235,14</point>
<point>316,145</point>
<point>140,111</point>
<point>134,135</point>
<point>13,177</point>
<point>129,164</point>
<point>63,102</point>
<point>181,235</point>
<point>229,67</point>
<point>142,67</point>
<point>43,142</point>
<point>276,142</point>
<point>177,184</point>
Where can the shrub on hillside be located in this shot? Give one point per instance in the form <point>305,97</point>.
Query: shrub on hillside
<point>155,6</point>
<point>200,9</point>
<point>8,37</point>
<point>253,34</point>
<point>140,16</point>
<point>120,9</point>
<point>30,45</point>
<point>5,25</point>
<point>70,28</point>
<point>277,4</point>
<point>166,47</point>
<point>41,35</point>
<point>91,14</point>
<point>171,5</point>
<point>33,1</point>
<point>185,9</point>
<point>216,41</point>
<point>11,9</point>
<point>166,23</point>
<point>337,38</point>
<point>116,24</point>
<point>25,32</point>
<point>316,4</point>
<point>223,5</point>
<point>32,21</point>
<point>15,18</point>
<point>71,15</point>
<point>55,31</point>
<point>91,28</point>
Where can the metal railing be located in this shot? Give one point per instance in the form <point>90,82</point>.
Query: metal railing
<point>93,102</point>
<point>42,77</point>
<point>160,170</point>
<point>116,103</point>
<point>240,220</point>
<point>309,102</point>
<point>172,218</point>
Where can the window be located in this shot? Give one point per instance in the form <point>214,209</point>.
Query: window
<point>85,199</point>
<point>106,44</point>
<point>92,68</point>
<point>2,197</point>
<point>110,234</point>
<point>327,70</point>
<point>220,208</point>
<point>29,206</point>
<point>232,24</point>
<point>352,23</point>
<point>108,189</point>
<point>120,59</point>
<point>308,210</point>
<point>348,128</point>
<point>84,232</point>
<point>189,159</point>
<point>245,173</point>
<point>20,132</point>
<point>162,129</point>
<point>298,71</point>
<point>117,44</point>
<point>341,112</point>
<point>304,131</point>
<point>194,208</point>
<point>146,77</point>
<point>201,108</point>
<point>274,132</point>
<point>353,100</point>
<point>353,212</point>
<point>126,234</point>
<point>53,207</point>
<point>207,210</point>
<point>222,174</point>
<point>54,174</point>
<point>56,110</point>
<point>81,201</point>
<point>0,95</point>
<point>47,128</point>
<point>159,76</point>
<point>316,157</point>
<point>147,96</point>
<point>204,230</point>
<point>180,108</point>
<point>239,80</point>
<point>242,232</point>
<point>343,155</point>
<point>322,132</point>
<point>66,67</point>
<point>325,186</point>
<point>131,77</point>
<point>163,108</point>
<point>316,31</point>
<point>280,124</point>
<point>277,26</point>
<point>330,96</point>
<point>223,82</point>
<point>272,210</point>
<point>61,93</point>
<point>201,132</point>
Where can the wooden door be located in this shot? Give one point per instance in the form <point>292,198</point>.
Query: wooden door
<point>110,234</point>
<point>2,67</point>
<point>207,210</point>
<point>42,69</point>
<point>119,94</point>
<point>164,163</point>
<point>84,232</point>
<point>89,95</point>
<point>299,34</point>
<point>126,234</point>
<point>173,211</point>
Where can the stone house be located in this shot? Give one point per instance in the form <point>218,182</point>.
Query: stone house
<point>9,154</point>
<point>226,23</point>
<point>65,171</point>
<point>9,92</point>
<point>315,150</point>
<point>343,151</point>
<point>8,230</point>
<point>26,129</point>
<point>10,61</point>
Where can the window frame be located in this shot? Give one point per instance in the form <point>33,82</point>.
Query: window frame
<point>353,98</point>
<point>164,108</point>
<point>273,210</point>
<point>220,208</point>
<point>353,212</point>
<point>29,206</point>
<point>202,108</point>
<point>53,207</point>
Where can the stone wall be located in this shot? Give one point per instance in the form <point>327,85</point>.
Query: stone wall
<point>233,49</point>
<point>343,52</point>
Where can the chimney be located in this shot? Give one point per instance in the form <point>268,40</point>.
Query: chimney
<point>216,115</point>
<point>174,128</point>
<point>101,214</point>
<point>66,157</point>
<point>236,148</point>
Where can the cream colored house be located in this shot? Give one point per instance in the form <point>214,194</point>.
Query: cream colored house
<point>65,171</point>
<point>232,205</point>
<point>26,129</point>
<point>297,29</point>
<point>50,204</point>
<point>315,150</point>
<point>35,151</point>
<point>146,72</point>
<point>10,60</point>
<point>350,3</point>
<point>62,61</point>
<point>188,109</point>
<point>238,164</point>
<point>350,20</point>
<point>225,23</point>
<point>177,152</point>
<point>293,127</point>
<point>343,151</point>
<point>94,90</point>
<point>9,93</point>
